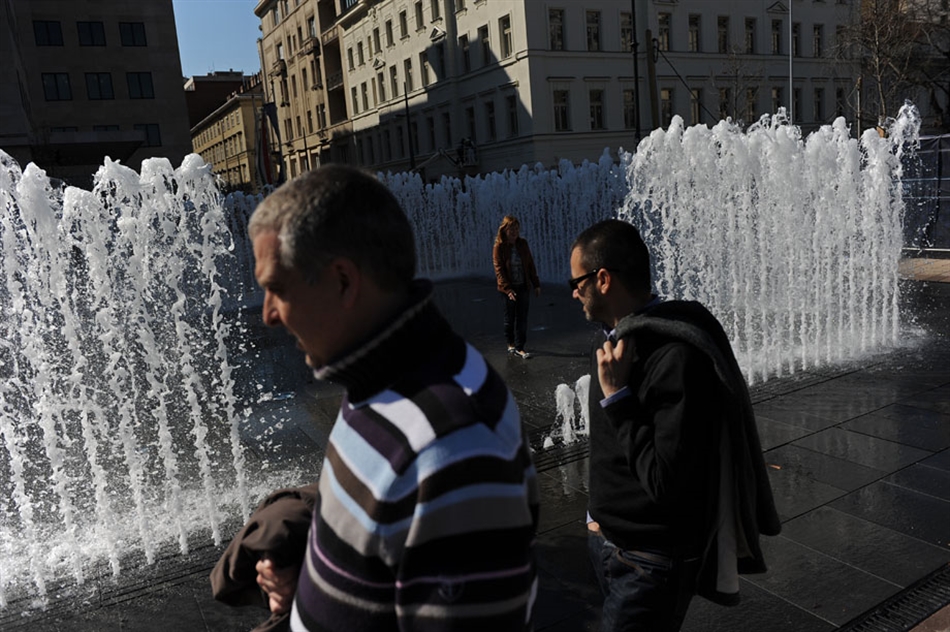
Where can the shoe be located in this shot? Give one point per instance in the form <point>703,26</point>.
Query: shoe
<point>511,348</point>
<point>524,354</point>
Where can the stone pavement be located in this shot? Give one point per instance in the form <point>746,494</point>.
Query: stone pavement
<point>859,459</point>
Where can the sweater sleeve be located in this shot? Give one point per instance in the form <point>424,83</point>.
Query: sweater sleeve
<point>664,430</point>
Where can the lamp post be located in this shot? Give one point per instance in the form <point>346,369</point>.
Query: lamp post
<point>412,154</point>
<point>636,68</point>
<point>791,49</point>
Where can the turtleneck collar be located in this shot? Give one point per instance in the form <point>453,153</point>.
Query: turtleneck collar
<point>399,346</point>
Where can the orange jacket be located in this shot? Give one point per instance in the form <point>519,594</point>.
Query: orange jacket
<point>501,258</point>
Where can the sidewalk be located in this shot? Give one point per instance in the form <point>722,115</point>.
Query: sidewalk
<point>859,459</point>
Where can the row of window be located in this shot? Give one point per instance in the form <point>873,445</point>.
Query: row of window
<point>50,33</point>
<point>57,87</point>
<point>153,134</point>
<point>231,146</point>
<point>725,45</point>
<point>731,103</point>
<point>320,120</point>
<point>218,128</point>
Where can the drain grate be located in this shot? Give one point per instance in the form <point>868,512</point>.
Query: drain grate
<point>907,608</point>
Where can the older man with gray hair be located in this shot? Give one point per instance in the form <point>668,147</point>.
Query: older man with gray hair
<point>428,501</point>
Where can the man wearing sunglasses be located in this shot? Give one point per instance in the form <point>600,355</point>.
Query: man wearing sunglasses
<point>678,488</point>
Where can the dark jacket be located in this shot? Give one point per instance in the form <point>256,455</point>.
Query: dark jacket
<point>277,527</point>
<point>666,336</point>
<point>501,258</point>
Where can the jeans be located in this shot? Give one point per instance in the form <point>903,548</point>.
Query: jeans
<point>516,317</point>
<point>643,590</point>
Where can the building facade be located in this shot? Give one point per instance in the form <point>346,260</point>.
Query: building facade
<point>463,86</point>
<point>227,138</point>
<point>83,80</point>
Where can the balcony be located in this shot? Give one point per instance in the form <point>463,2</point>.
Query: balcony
<point>334,80</point>
<point>279,68</point>
<point>330,35</point>
<point>311,45</point>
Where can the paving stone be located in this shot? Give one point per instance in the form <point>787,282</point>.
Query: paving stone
<point>915,514</point>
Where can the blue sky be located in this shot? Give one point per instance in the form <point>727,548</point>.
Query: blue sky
<point>217,35</point>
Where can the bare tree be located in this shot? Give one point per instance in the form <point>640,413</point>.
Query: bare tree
<point>903,48</point>
<point>738,75</point>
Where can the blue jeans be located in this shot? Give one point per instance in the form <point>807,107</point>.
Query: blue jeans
<point>643,590</point>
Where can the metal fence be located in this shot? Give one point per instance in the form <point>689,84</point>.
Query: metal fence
<point>926,184</point>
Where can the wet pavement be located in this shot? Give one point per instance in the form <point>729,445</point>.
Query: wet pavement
<point>859,460</point>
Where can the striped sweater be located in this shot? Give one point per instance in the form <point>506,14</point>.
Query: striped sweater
<point>428,497</point>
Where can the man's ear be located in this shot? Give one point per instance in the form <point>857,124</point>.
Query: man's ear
<point>348,279</point>
<point>605,279</point>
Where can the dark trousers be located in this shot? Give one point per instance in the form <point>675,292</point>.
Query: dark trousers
<point>516,316</point>
<point>643,590</point>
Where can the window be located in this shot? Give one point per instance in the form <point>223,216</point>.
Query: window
<point>153,137</point>
<point>796,39</point>
<point>556,29</point>
<point>796,103</point>
<point>490,120</point>
<point>293,86</point>
<point>629,109</point>
<point>751,96</point>
<point>99,86</point>
<point>459,5</point>
<point>440,60</point>
<point>626,32</point>
<point>750,36</point>
<point>419,21</point>
<point>696,106</point>
<point>381,82</point>
<point>47,33</point>
<point>447,128</point>
<point>299,127</point>
<point>132,34</point>
<point>105,128</point>
<point>436,10</point>
<point>840,102</point>
<point>511,105</point>
<point>275,15</point>
<point>400,141</point>
<point>91,34</point>
<point>364,91</point>
<point>140,85</point>
<point>414,136</point>
<point>722,26</point>
<point>593,30</point>
<point>387,145</point>
<point>288,128</point>
<point>562,119</point>
<point>309,122</point>
<point>776,99</point>
<point>817,38</point>
<point>470,123</point>
<point>693,45</point>
<point>486,44</point>
<point>424,67</point>
<point>360,59</point>
<point>666,105</point>
<point>663,31</point>
<point>389,34</point>
<point>776,37</point>
<point>725,102</point>
<point>403,25</point>
<point>56,86</point>
<point>349,59</point>
<point>407,70</point>
<point>377,47</point>
<point>356,103</point>
<point>394,81</point>
<point>596,109</point>
<point>819,105</point>
<point>466,54</point>
<point>504,34</point>
<point>312,26</point>
<point>430,129</point>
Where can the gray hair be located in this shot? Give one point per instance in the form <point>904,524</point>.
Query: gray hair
<point>339,211</point>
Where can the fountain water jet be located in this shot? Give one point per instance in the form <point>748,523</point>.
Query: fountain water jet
<point>119,424</point>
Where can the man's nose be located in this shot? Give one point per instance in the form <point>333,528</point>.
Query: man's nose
<point>270,314</point>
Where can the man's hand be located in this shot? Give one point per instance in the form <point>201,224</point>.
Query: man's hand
<point>280,584</point>
<point>613,365</point>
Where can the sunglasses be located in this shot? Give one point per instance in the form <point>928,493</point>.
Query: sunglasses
<point>576,281</point>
